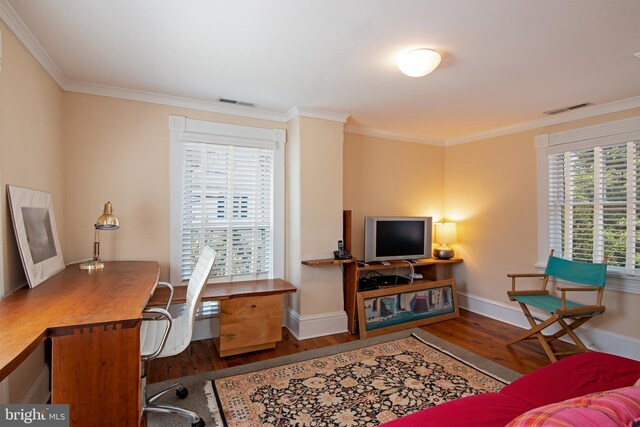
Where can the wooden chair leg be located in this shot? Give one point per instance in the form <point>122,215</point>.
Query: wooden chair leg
<point>569,329</point>
<point>562,332</point>
<point>536,328</point>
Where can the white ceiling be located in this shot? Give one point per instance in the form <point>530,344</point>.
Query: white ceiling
<point>504,61</point>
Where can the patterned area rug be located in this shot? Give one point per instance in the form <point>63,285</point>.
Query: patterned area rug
<point>362,387</point>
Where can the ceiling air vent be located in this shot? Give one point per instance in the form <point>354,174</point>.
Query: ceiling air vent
<point>571,108</point>
<point>236,102</point>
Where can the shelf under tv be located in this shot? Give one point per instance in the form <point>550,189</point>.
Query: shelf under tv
<point>399,264</point>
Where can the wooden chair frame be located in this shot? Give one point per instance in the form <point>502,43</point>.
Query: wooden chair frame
<point>577,315</point>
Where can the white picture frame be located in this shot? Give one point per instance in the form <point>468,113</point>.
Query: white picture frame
<point>34,224</point>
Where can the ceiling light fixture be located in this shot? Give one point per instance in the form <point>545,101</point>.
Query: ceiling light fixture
<point>637,54</point>
<point>418,62</point>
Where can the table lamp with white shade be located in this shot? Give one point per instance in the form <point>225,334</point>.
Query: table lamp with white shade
<point>445,232</point>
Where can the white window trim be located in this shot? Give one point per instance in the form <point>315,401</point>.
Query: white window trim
<point>182,129</point>
<point>598,135</point>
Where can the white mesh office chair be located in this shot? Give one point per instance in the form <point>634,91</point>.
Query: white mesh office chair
<point>163,336</point>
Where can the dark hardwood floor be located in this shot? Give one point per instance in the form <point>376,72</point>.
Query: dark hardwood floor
<point>481,335</point>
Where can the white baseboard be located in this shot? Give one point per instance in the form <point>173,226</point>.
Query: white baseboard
<point>38,392</point>
<point>594,338</point>
<point>316,325</point>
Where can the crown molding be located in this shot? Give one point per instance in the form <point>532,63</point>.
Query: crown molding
<point>583,113</point>
<point>394,136</point>
<point>20,29</point>
<point>315,114</point>
<point>174,101</point>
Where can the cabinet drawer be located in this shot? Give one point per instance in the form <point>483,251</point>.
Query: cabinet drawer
<point>249,324</point>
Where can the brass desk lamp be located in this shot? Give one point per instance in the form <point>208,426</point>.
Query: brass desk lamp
<point>106,221</point>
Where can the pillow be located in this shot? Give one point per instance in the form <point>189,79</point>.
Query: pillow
<point>620,407</point>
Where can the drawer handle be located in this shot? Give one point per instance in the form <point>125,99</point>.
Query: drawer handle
<point>253,306</point>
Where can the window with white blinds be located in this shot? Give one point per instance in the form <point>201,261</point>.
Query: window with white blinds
<point>227,203</point>
<point>590,190</point>
<point>227,192</point>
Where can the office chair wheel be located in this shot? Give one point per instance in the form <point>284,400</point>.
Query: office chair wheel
<point>198,424</point>
<point>182,393</point>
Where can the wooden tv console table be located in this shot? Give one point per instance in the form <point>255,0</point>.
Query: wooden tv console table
<point>431,270</point>
<point>250,312</point>
<point>93,320</point>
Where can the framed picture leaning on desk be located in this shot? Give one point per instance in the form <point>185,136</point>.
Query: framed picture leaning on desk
<point>35,226</point>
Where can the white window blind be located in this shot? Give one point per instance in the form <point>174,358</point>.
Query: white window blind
<point>227,204</point>
<point>593,205</point>
<point>227,191</point>
<point>590,189</point>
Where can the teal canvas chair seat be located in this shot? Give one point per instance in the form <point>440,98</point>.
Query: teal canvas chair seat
<point>568,314</point>
<point>545,302</point>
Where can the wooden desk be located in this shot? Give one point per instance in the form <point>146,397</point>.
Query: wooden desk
<point>93,319</point>
<point>226,290</point>
<point>250,312</point>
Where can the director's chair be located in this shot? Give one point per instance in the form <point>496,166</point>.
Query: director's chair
<point>591,277</point>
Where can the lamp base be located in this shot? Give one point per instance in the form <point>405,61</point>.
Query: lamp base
<point>92,265</point>
<point>443,252</point>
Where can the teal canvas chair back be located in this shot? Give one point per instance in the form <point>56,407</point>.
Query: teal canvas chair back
<point>583,273</point>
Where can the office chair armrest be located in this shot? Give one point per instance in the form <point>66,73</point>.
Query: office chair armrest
<point>157,314</point>
<point>170,286</point>
<point>526,275</point>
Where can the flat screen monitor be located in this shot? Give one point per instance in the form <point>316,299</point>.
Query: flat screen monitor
<point>396,238</point>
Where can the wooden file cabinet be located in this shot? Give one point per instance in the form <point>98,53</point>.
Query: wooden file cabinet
<point>250,312</point>
<point>249,323</point>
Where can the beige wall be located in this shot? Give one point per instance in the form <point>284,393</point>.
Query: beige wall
<point>31,155</point>
<point>31,147</point>
<point>314,155</point>
<point>491,192</point>
<point>118,150</point>
<point>384,177</point>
